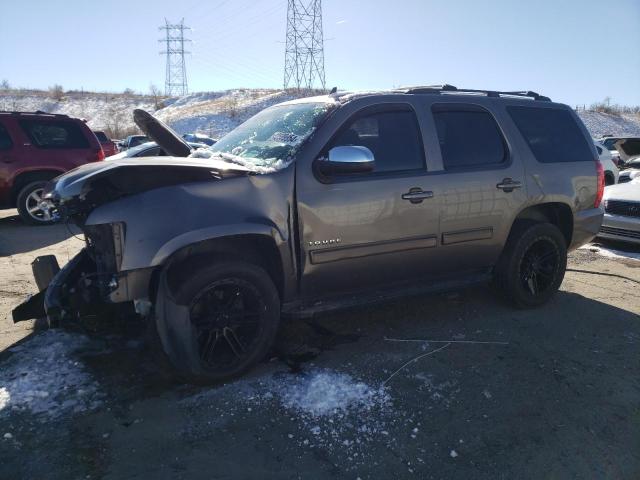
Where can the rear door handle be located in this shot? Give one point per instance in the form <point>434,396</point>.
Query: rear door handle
<point>7,159</point>
<point>416,195</point>
<point>508,185</point>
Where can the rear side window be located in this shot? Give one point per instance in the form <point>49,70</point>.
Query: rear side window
<point>393,136</point>
<point>469,137</point>
<point>5,139</point>
<point>102,138</point>
<point>44,134</point>
<point>552,134</point>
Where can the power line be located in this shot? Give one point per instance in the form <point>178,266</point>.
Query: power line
<point>176,70</point>
<point>304,49</point>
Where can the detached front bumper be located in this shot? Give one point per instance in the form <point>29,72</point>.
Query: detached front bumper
<point>78,290</point>
<point>57,297</point>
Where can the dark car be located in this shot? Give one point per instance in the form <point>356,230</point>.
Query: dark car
<point>109,147</point>
<point>34,148</point>
<point>199,138</point>
<point>133,141</point>
<point>325,203</point>
<point>148,149</point>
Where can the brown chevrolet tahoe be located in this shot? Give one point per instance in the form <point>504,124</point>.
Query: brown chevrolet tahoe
<point>323,203</point>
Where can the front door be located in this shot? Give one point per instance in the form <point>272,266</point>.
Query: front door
<point>367,230</point>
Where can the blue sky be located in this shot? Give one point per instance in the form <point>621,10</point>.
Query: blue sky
<point>576,52</point>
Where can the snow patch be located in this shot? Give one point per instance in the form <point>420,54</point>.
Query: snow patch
<point>44,378</point>
<point>324,393</point>
<point>610,252</point>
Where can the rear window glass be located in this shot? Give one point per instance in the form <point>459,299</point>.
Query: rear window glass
<point>5,139</point>
<point>552,134</point>
<point>469,137</point>
<point>102,138</point>
<point>45,134</point>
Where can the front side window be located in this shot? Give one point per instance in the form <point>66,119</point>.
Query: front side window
<point>469,137</point>
<point>392,136</point>
<point>552,134</point>
<point>46,134</point>
<point>5,139</point>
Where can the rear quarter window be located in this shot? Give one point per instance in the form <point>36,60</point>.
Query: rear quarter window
<point>46,134</point>
<point>102,138</point>
<point>5,139</point>
<point>552,134</point>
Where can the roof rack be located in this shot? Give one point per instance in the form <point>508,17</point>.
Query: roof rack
<point>446,88</point>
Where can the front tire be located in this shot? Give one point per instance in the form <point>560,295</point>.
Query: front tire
<point>532,265</point>
<point>230,317</point>
<point>32,208</point>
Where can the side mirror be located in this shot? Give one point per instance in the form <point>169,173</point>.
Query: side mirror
<point>347,160</point>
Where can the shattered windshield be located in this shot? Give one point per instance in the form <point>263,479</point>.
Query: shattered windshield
<point>268,141</point>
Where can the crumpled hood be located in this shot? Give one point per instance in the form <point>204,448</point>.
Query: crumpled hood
<point>74,183</point>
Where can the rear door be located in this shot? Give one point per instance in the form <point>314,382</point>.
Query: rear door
<point>363,231</point>
<point>8,159</point>
<point>57,144</point>
<point>480,185</point>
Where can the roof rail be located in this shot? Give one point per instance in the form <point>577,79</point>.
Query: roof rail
<point>37,112</point>
<point>446,88</point>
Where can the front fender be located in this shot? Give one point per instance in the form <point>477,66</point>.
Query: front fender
<point>217,232</point>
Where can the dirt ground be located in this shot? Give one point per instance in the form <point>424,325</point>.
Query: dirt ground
<point>554,392</point>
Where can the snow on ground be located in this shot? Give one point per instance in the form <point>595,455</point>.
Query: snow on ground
<point>325,409</point>
<point>43,377</point>
<point>101,110</point>
<point>612,253</point>
<point>600,124</point>
<point>326,393</point>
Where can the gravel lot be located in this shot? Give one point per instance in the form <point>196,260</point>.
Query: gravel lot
<point>552,393</point>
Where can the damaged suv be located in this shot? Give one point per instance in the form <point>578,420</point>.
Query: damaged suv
<point>323,203</point>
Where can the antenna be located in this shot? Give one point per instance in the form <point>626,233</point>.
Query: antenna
<point>176,72</point>
<point>304,50</point>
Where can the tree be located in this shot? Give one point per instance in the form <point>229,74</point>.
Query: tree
<point>155,93</point>
<point>4,85</point>
<point>56,92</point>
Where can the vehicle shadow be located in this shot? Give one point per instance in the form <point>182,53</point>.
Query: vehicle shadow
<point>18,237</point>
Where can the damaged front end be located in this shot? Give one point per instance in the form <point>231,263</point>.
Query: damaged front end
<point>90,286</point>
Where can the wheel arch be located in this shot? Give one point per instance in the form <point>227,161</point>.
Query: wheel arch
<point>26,177</point>
<point>255,248</point>
<point>556,213</point>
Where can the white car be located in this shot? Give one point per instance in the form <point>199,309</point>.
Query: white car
<point>631,171</point>
<point>611,172</point>
<point>622,212</point>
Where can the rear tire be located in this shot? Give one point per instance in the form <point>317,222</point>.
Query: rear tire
<point>229,318</point>
<point>532,265</point>
<point>32,208</point>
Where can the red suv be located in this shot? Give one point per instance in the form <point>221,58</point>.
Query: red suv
<point>108,146</point>
<point>34,148</point>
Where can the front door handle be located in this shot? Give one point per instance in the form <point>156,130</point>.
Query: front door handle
<point>508,185</point>
<point>416,195</point>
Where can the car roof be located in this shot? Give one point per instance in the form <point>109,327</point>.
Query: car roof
<point>343,96</point>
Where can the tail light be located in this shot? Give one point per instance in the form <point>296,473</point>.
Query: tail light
<point>600,192</point>
<point>100,155</point>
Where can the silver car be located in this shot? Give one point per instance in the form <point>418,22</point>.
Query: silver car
<point>622,212</point>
